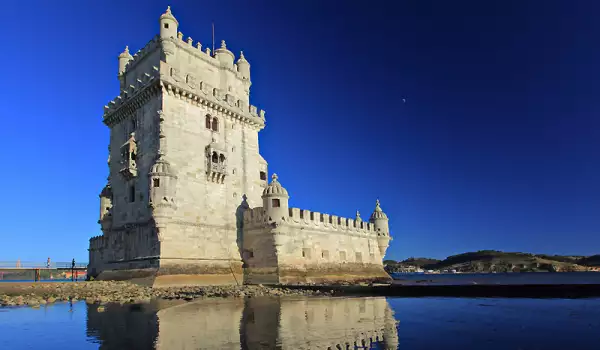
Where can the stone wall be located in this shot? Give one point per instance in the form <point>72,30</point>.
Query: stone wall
<point>309,247</point>
<point>136,248</point>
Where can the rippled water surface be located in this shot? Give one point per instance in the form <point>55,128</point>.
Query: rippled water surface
<point>309,323</point>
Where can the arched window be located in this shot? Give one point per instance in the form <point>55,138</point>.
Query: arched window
<point>208,120</point>
<point>222,159</point>
<point>215,124</point>
<point>215,157</point>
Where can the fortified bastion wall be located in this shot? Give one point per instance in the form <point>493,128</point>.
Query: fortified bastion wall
<point>292,245</point>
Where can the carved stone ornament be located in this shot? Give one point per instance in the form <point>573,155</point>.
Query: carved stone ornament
<point>176,75</point>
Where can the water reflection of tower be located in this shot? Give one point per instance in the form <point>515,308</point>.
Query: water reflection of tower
<point>253,323</point>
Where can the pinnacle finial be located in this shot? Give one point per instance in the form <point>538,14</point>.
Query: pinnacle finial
<point>223,45</point>
<point>274,177</point>
<point>357,214</point>
<point>377,205</point>
<point>168,9</point>
<point>242,55</point>
<point>126,49</point>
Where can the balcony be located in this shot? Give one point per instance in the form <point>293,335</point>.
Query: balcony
<point>216,172</point>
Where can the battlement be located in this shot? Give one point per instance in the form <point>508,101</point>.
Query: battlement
<point>140,54</point>
<point>98,242</point>
<point>197,90</point>
<point>311,219</point>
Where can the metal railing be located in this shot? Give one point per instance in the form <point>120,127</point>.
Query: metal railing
<point>40,265</point>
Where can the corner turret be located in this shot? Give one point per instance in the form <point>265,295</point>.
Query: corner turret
<point>162,180</point>
<point>243,66</point>
<point>124,59</point>
<point>275,200</point>
<point>224,55</point>
<point>106,207</point>
<point>168,24</point>
<point>380,220</point>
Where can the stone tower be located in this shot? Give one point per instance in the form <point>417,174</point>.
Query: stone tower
<point>183,160</point>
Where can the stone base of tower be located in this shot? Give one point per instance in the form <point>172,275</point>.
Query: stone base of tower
<point>175,272</point>
<point>323,274</point>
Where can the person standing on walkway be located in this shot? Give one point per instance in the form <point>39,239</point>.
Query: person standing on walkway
<point>48,263</point>
<point>73,270</point>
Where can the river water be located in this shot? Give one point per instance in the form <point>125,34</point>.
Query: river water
<point>309,323</point>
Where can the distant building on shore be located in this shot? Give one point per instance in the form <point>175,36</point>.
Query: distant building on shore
<point>187,199</point>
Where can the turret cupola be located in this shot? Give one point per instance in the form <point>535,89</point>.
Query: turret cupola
<point>124,59</point>
<point>378,214</point>
<point>243,66</point>
<point>380,220</point>
<point>358,219</point>
<point>168,24</point>
<point>162,180</point>
<point>275,200</point>
<point>224,55</point>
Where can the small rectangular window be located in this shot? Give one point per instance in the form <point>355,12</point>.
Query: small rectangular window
<point>306,253</point>
<point>156,182</point>
<point>166,25</point>
<point>276,203</point>
<point>132,194</point>
<point>325,254</point>
<point>263,175</point>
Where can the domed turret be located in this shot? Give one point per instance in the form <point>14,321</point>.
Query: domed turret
<point>162,180</point>
<point>380,220</point>
<point>243,66</point>
<point>168,24</point>
<point>224,55</point>
<point>124,58</point>
<point>275,200</point>
<point>106,206</point>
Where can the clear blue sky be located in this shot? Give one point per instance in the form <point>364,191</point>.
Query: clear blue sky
<point>496,147</point>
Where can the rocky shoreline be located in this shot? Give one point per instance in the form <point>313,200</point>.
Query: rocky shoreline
<point>105,292</point>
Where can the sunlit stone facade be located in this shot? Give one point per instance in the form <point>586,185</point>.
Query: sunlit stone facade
<point>188,200</point>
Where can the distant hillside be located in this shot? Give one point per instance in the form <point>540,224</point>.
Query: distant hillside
<point>420,262</point>
<point>497,261</point>
<point>593,260</point>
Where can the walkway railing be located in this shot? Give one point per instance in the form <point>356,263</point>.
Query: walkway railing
<point>40,265</point>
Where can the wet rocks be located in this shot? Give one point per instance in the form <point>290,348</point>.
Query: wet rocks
<point>105,292</point>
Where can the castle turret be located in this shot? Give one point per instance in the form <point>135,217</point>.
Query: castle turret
<point>168,24</point>
<point>275,200</point>
<point>106,207</point>
<point>224,55</point>
<point>162,184</point>
<point>243,66</point>
<point>124,59</point>
<point>380,220</point>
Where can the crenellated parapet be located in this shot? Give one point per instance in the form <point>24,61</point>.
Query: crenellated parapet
<point>131,98</point>
<point>98,243</point>
<point>325,221</point>
<point>306,219</point>
<point>186,86</point>
<point>142,53</point>
<point>183,86</point>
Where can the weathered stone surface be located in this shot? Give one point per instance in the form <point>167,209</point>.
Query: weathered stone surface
<point>187,199</point>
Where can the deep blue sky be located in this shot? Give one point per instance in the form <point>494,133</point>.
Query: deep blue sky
<point>496,147</point>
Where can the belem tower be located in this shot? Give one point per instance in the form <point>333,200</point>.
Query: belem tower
<point>188,200</point>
